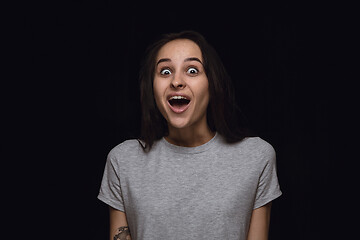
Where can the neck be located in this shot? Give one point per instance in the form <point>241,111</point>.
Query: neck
<point>189,137</point>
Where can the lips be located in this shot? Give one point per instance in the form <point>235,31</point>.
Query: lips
<point>178,103</point>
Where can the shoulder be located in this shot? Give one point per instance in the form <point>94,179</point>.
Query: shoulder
<point>249,144</point>
<point>127,149</point>
<point>253,150</point>
<point>261,152</point>
<point>259,146</point>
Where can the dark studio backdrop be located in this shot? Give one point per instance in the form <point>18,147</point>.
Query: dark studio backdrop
<point>85,58</point>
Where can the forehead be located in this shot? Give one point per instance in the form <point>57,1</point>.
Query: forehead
<point>179,49</point>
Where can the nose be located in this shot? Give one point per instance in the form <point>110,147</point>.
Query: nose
<point>178,83</point>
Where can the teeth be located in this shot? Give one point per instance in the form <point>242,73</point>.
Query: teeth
<point>177,97</point>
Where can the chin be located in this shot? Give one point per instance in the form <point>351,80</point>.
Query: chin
<point>178,123</point>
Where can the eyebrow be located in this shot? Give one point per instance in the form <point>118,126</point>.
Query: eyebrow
<point>186,60</point>
<point>163,60</point>
<point>192,59</point>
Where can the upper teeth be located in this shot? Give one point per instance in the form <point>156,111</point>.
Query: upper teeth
<point>177,97</point>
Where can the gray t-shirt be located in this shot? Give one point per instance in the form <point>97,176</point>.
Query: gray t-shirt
<point>204,192</point>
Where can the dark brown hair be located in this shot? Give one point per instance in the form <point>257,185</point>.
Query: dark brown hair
<point>223,115</point>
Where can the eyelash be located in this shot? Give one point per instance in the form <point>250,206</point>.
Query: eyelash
<point>162,71</point>
<point>197,71</point>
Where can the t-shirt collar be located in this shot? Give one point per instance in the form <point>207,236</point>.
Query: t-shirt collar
<point>190,150</point>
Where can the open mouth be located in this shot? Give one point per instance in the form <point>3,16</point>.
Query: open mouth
<point>178,104</point>
<point>178,101</point>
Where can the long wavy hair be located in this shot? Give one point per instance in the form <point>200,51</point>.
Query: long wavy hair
<point>223,114</point>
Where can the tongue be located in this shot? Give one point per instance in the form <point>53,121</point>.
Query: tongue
<point>179,107</point>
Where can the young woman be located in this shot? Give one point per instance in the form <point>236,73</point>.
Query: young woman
<point>195,173</point>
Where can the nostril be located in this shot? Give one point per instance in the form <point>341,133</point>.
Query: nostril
<point>177,85</point>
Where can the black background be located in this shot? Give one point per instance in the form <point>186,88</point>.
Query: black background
<point>80,64</point>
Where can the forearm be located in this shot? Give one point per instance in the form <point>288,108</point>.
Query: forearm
<point>119,228</point>
<point>122,233</point>
<point>259,224</point>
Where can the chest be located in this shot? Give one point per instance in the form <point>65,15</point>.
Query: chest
<point>179,186</point>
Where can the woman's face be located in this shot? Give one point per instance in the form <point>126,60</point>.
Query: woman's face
<point>181,85</point>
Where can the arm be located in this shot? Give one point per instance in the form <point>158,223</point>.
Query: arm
<point>259,224</point>
<point>119,229</point>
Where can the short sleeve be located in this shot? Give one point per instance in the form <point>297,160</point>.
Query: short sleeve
<point>110,190</point>
<point>268,186</point>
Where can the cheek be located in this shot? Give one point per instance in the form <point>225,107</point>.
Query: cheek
<point>159,91</point>
<point>203,93</point>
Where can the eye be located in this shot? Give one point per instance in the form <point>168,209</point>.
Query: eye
<point>165,71</point>
<point>192,70</point>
